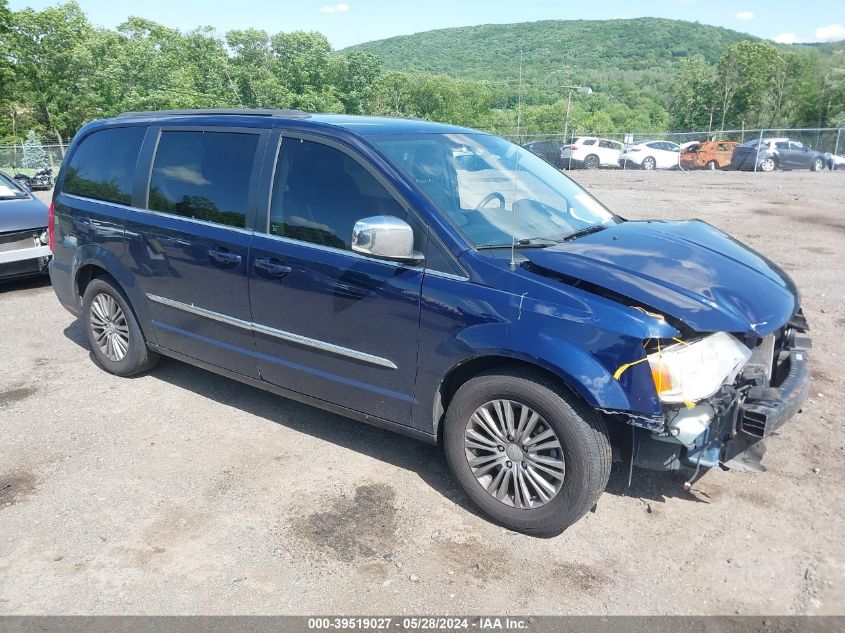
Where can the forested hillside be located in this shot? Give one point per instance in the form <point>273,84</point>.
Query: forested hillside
<point>578,50</point>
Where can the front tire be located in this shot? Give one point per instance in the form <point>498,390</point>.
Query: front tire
<point>818,165</point>
<point>649,163</point>
<point>116,340</point>
<point>532,457</point>
<point>712,165</point>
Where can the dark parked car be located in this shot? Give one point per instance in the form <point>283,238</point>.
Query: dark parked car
<point>23,232</point>
<point>776,153</point>
<point>358,265</point>
<point>549,151</point>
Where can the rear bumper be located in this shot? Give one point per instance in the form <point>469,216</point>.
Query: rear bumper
<point>63,286</point>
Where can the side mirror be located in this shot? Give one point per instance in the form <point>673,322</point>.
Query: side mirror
<point>387,237</point>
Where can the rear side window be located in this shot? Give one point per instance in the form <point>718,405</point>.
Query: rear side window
<point>103,166</point>
<point>203,175</point>
<point>319,192</point>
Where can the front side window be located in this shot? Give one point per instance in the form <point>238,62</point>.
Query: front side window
<point>515,194</point>
<point>103,165</point>
<point>319,192</point>
<point>795,145</point>
<point>203,175</point>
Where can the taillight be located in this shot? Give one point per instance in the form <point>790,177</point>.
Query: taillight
<point>575,148</point>
<point>51,226</point>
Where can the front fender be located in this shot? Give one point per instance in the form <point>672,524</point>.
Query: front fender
<point>581,338</point>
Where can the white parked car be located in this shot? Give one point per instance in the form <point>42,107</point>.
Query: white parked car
<point>590,152</point>
<point>652,155</point>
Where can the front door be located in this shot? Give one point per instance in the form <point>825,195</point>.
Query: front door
<point>190,248</point>
<point>331,323</point>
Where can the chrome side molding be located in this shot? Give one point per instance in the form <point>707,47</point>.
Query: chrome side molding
<point>291,337</point>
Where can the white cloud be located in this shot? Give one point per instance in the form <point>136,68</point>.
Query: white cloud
<point>830,33</point>
<point>786,38</point>
<point>337,8</point>
<point>744,15</point>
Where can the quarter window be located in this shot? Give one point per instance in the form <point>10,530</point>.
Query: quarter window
<point>103,166</point>
<point>203,175</point>
<point>319,192</point>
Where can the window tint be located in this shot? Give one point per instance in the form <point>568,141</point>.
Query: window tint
<point>655,145</point>
<point>796,146</point>
<point>320,192</point>
<point>203,175</point>
<point>782,145</point>
<point>590,141</point>
<point>103,166</point>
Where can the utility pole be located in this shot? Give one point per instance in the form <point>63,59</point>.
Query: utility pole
<point>586,90</point>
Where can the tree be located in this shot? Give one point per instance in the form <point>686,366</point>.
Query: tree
<point>691,103</point>
<point>46,52</point>
<point>34,156</point>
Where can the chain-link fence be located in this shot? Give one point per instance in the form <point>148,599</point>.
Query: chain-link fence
<point>770,149</point>
<point>19,158</point>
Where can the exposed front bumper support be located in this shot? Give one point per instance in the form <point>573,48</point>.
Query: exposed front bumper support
<point>22,254</point>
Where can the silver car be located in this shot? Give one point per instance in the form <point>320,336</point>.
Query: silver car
<point>24,248</point>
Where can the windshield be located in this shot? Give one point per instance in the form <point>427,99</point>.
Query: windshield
<point>496,193</point>
<point>9,189</point>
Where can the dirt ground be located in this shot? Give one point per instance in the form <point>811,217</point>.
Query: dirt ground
<point>180,492</point>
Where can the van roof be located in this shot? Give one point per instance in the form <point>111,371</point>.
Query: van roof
<point>363,125</point>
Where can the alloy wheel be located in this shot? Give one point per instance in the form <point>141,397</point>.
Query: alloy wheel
<point>111,331</point>
<point>514,454</point>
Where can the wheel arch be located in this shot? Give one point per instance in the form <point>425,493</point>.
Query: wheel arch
<point>90,264</point>
<point>469,368</point>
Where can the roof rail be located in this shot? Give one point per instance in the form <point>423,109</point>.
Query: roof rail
<point>280,112</point>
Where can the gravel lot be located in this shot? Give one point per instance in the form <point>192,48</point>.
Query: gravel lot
<point>181,492</point>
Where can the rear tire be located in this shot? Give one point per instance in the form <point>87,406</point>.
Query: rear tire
<point>768,165</point>
<point>649,163</point>
<point>116,340</point>
<point>592,162</point>
<point>576,434</point>
<point>712,165</point>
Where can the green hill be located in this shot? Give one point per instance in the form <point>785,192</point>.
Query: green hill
<point>640,51</point>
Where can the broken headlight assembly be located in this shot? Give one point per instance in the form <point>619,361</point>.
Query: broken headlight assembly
<point>687,372</point>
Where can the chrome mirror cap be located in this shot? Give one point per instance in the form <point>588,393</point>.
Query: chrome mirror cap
<point>385,236</point>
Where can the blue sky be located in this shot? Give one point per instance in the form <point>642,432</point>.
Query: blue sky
<point>347,22</point>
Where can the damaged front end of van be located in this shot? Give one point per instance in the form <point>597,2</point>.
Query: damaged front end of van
<point>734,368</point>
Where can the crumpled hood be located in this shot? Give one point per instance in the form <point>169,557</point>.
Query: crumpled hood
<point>22,214</point>
<point>688,270</point>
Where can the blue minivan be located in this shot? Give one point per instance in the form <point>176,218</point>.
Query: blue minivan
<point>433,280</point>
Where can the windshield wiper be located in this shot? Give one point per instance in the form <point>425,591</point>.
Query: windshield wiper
<point>528,242</point>
<point>587,230</point>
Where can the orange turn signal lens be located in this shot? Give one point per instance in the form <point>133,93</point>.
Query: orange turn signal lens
<point>662,377</point>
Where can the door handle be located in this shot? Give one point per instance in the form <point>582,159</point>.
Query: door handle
<point>224,257</point>
<point>272,267</point>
